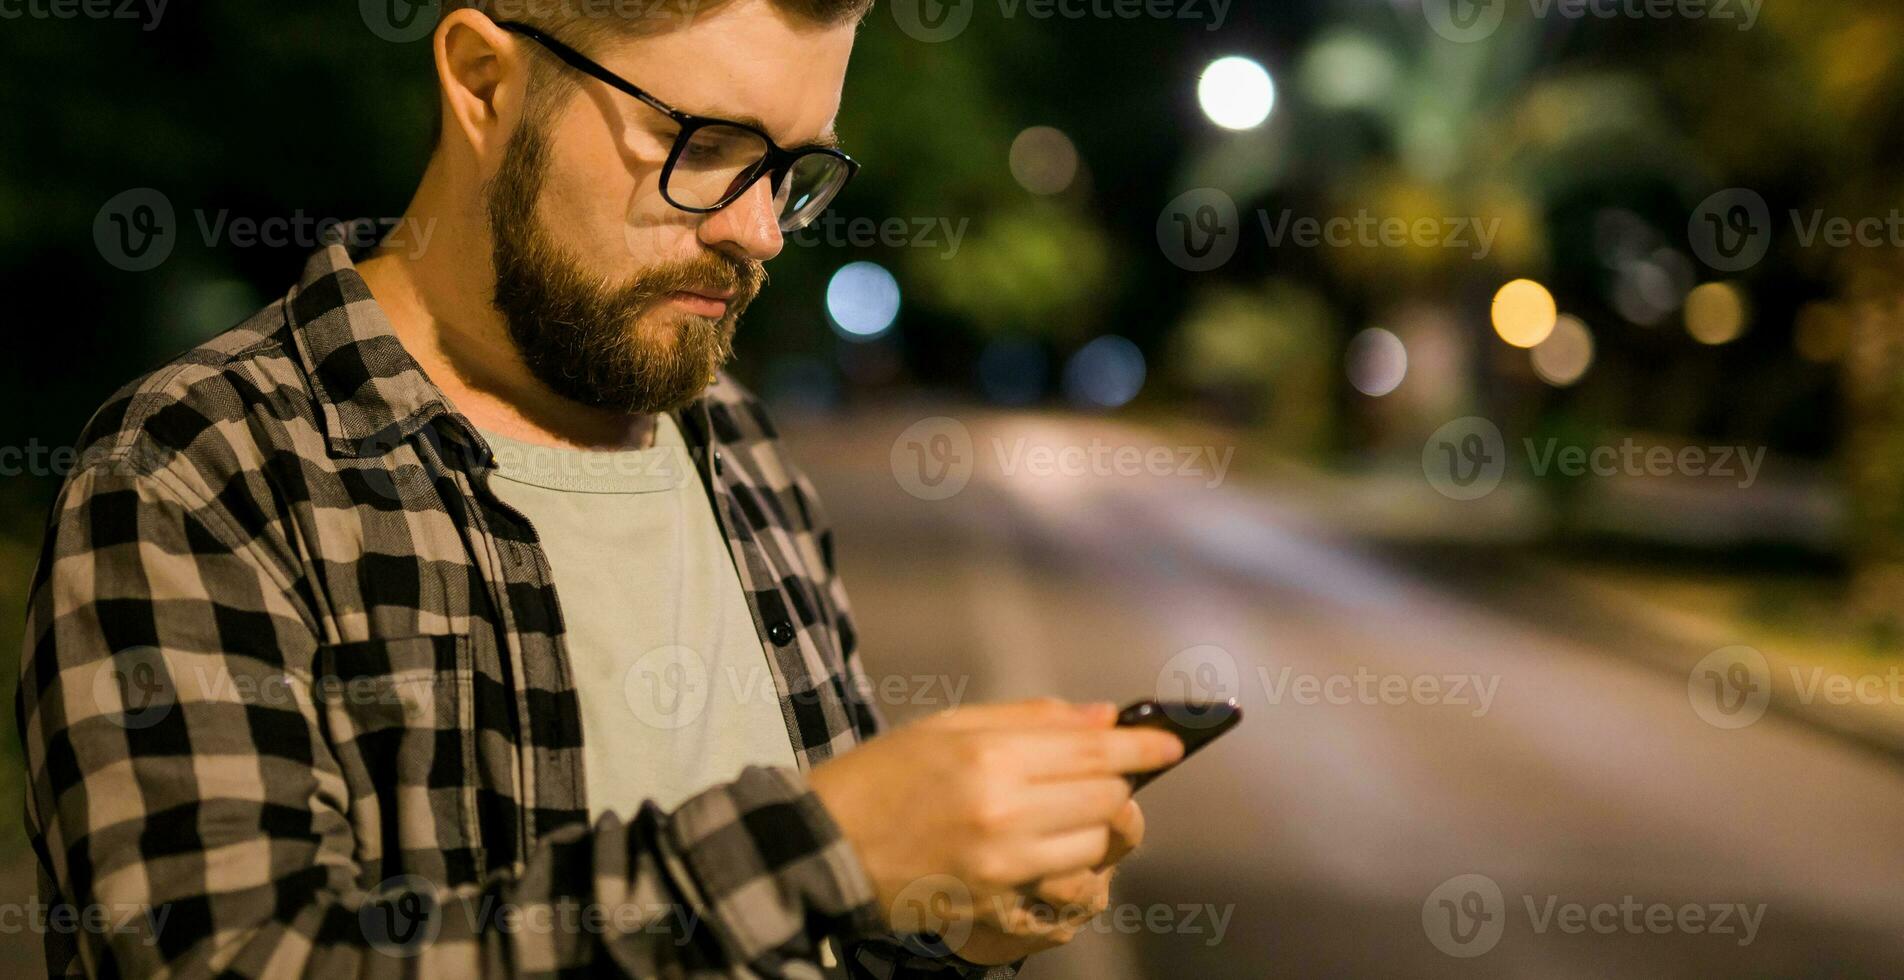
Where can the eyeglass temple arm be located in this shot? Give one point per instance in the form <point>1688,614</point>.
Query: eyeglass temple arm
<point>582,63</point>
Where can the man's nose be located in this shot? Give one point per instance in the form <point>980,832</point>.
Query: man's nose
<point>749,227</point>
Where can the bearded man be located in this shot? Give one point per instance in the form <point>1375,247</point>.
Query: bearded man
<point>388,632</point>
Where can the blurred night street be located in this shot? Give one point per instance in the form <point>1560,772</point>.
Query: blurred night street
<point>1589,778</point>
<point>1502,402</point>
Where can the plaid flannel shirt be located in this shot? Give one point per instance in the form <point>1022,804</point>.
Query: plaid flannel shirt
<point>295,697</point>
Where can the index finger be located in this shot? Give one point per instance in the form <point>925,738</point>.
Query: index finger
<point>1031,713</point>
<point>1052,756</point>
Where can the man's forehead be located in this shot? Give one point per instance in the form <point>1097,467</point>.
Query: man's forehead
<point>750,70</point>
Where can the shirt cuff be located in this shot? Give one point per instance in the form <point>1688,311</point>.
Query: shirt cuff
<point>773,869</point>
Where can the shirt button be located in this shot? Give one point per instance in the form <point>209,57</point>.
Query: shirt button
<point>717,461</point>
<point>781,633</point>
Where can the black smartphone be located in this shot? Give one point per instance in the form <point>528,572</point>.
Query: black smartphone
<point>1197,723</point>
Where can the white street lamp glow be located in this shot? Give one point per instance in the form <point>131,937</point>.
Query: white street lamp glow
<point>862,300</point>
<point>1236,92</point>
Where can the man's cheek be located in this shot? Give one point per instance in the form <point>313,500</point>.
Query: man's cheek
<point>654,237</point>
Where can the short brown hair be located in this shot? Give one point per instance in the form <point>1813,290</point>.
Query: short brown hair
<point>581,20</point>
<point>578,22</point>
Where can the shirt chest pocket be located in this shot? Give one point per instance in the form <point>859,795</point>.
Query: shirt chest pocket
<point>399,716</point>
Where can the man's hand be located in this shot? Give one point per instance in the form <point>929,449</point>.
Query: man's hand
<point>999,799</point>
<point>1063,905</point>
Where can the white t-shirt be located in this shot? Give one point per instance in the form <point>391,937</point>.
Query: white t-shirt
<point>673,681</point>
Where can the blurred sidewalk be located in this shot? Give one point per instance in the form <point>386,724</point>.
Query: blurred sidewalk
<point>1492,549</point>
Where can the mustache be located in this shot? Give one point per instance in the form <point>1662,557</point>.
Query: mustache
<point>708,273</point>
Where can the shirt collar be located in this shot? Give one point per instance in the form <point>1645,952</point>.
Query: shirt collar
<point>372,393</point>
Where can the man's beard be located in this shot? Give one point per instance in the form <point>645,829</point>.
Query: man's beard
<point>586,338</point>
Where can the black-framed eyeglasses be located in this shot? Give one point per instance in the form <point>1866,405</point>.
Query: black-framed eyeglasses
<point>714,161</point>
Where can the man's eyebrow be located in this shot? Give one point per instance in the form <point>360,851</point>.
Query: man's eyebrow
<point>829,139</point>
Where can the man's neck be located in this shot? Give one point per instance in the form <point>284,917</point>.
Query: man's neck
<point>438,302</point>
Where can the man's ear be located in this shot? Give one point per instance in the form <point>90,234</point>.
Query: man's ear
<point>482,75</point>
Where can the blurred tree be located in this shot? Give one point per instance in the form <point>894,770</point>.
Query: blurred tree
<point>1815,108</point>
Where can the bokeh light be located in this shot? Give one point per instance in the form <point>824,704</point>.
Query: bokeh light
<point>1377,362</point>
<point>1564,357</point>
<point>1106,373</point>
<point>1524,313</point>
<point>1043,160</point>
<point>1348,69</point>
<point>1716,313</point>
<point>1647,290</point>
<point>1236,92</point>
<point>862,300</point>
